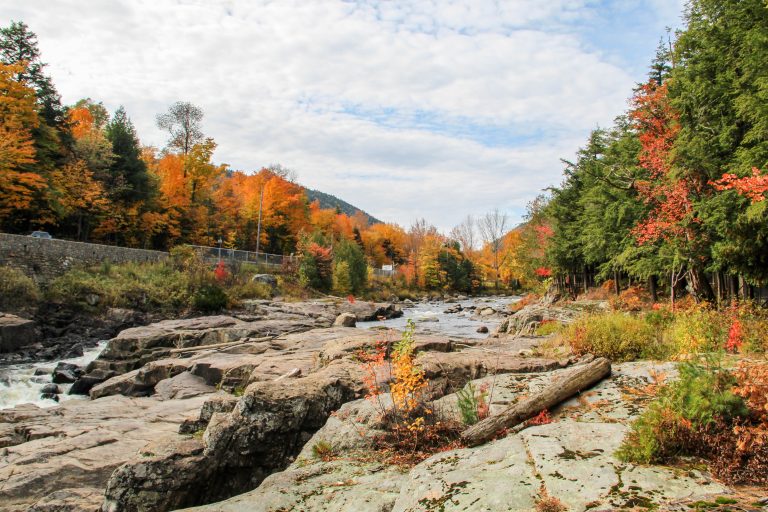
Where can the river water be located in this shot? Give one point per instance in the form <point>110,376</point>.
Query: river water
<point>430,318</point>
<point>19,384</point>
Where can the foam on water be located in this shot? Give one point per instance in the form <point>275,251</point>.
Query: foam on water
<point>20,385</point>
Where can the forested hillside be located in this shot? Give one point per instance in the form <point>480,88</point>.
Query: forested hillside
<point>329,201</point>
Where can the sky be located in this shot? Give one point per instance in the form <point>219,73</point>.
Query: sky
<point>407,109</point>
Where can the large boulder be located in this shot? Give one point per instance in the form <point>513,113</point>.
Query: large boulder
<point>16,332</point>
<point>267,279</point>
<point>345,320</point>
<point>66,373</point>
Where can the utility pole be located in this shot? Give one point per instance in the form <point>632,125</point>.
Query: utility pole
<point>258,228</point>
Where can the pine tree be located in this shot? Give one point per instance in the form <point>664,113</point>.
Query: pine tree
<point>128,180</point>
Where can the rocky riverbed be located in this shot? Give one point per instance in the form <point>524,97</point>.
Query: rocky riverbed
<point>222,412</point>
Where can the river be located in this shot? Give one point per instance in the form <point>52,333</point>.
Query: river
<point>430,317</point>
<point>23,383</point>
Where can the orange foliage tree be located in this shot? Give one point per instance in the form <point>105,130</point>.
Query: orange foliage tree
<point>18,117</point>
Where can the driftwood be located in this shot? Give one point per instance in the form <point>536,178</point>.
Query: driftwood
<point>578,379</point>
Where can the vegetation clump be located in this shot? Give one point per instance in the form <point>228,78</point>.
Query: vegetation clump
<point>472,403</point>
<point>711,412</point>
<point>17,291</point>
<point>411,430</point>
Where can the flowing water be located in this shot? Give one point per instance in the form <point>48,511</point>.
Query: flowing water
<point>430,317</point>
<point>20,385</point>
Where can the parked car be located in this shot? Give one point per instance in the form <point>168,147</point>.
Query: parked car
<point>41,234</point>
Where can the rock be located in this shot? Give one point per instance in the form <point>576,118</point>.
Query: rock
<point>482,329</point>
<point>52,389</point>
<point>66,373</point>
<point>50,396</point>
<point>183,386</point>
<point>487,311</point>
<point>70,500</point>
<point>267,279</point>
<point>84,383</point>
<point>525,321</point>
<point>345,320</point>
<point>59,455</point>
<point>15,332</point>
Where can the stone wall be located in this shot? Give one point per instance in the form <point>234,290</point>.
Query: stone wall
<point>44,260</point>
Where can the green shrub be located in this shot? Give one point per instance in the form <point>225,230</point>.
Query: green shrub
<point>701,396</point>
<point>697,330</point>
<point>16,290</point>
<point>472,405</point>
<point>209,298</point>
<point>548,327</point>
<point>342,282</point>
<point>349,262</point>
<point>323,450</point>
<point>143,286</point>
<point>316,263</point>
<point>249,290</point>
<point>617,336</point>
<point>184,257</point>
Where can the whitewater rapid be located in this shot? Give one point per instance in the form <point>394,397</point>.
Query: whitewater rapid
<point>20,385</point>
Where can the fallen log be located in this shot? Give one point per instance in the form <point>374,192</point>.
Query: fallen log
<point>580,378</point>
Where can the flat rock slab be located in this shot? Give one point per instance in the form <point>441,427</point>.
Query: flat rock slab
<point>344,485</point>
<point>76,446</point>
<point>575,462</point>
<point>493,477</point>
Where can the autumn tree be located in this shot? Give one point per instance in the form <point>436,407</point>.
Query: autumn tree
<point>19,186</point>
<point>81,197</point>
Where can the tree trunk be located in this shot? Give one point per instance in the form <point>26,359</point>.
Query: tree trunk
<point>652,288</point>
<point>580,378</point>
<point>616,284</point>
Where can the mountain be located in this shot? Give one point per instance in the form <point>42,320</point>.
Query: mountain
<point>329,201</point>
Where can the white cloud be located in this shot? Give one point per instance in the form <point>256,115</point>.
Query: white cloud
<point>297,83</point>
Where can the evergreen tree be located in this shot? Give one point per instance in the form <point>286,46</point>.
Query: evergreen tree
<point>127,180</point>
<point>19,44</point>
